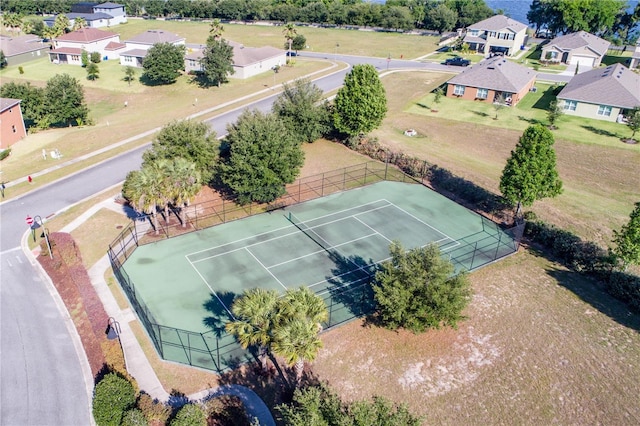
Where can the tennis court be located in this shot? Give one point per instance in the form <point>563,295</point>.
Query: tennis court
<point>332,245</point>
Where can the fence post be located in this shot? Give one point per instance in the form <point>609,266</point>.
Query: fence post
<point>386,167</point>
<point>475,250</point>
<point>300,190</point>
<point>365,174</point>
<point>322,187</point>
<point>224,213</point>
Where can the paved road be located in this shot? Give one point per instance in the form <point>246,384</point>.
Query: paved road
<point>40,373</point>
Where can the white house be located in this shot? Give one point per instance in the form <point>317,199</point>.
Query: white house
<point>96,15</point>
<point>137,46</point>
<point>498,34</point>
<point>247,61</point>
<point>68,47</point>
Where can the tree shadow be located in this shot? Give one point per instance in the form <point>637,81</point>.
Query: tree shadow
<point>599,132</point>
<point>350,291</point>
<point>591,292</point>
<point>225,351</point>
<point>529,120</point>
<point>421,105</point>
<point>480,113</point>
<point>547,97</point>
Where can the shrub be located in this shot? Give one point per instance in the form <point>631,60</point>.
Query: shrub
<point>134,417</point>
<point>190,415</point>
<point>95,57</point>
<point>626,288</point>
<point>154,411</point>
<point>5,153</point>
<point>227,410</point>
<point>112,396</point>
<point>21,70</point>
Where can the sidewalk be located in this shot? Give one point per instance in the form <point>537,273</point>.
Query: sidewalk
<point>136,361</point>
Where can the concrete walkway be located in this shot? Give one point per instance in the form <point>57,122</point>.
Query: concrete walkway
<point>136,361</point>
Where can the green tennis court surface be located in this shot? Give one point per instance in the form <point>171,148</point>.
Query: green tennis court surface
<point>331,244</point>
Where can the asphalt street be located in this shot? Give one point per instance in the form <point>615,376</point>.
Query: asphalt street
<point>41,376</point>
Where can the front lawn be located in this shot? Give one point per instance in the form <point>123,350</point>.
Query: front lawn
<point>531,110</point>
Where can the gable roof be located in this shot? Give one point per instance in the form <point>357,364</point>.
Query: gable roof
<point>12,46</point>
<point>6,103</point>
<point>242,56</point>
<point>50,21</point>
<point>497,23</point>
<point>580,39</point>
<point>108,5</point>
<point>496,74</point>
<point>151,37</point>
<point>614,85</point>
<point>86,35</point>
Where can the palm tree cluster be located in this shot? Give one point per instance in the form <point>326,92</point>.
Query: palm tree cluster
<point>162,184</point>
<point>287,326</point>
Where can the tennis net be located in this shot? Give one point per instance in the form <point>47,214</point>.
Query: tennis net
<point>305,229</point>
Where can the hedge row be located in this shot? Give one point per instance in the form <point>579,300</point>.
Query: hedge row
<point>586,257</point>
<point>566,247</point>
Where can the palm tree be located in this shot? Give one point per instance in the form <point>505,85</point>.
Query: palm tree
<point>12,21</point>
<point>297,341</point>
<point>304,304</point>
<point>79,23</point>
<point>296,338</point>
<point>289,32</point>
<point>143,189</point>
<point>185,184</point>
<point>216,29</point>
<point>255,318</point>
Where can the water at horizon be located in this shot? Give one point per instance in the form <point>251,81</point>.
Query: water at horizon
<point>517,9</point>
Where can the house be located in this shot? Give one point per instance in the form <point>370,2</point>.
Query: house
<point>247,61</point>
<point>601,93</point>
<point>68,47</point>
<point>493,80</point>
<point>11,122</point>
<point>96,15</point>
<point>581,48</point>
<point>136,47</point>
<point>498,34</point>
<point>635,58</point>
<point>20,49</point>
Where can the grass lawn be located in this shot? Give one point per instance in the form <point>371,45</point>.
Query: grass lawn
<point>532,109</point>
<point>351,42</point>
<point>599,172</point>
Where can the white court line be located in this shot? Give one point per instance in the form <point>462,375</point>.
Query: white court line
<point>421,221</point>
<point>321,251</point>
<point>353,208</point>
<point>296,231</point>
<point>250,245</point>
<point>356,218</point>
<point>213,292</point>
<point>267,269</point>
<point>284,227</point>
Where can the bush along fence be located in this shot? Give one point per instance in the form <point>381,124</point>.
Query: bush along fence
<point>586,257</point>
<point>218,351</point>
<point>566,247</point>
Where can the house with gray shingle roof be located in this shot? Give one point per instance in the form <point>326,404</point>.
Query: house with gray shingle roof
<point>579,48</point>
<point>68,47</point>
<point>498,34</point>
<point>247,61</point>
<point>602,93</point>
<point>137,46</point>
<point>492,80</point>
<point>20,49</point>
<point>96,15</point>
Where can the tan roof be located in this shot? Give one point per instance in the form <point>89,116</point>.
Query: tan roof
<point>112,45</point>
<point>67,50</point>
<point>614,85</point>
<point>86,35</point>
<point>12,46</point>
<point>6,103</point>
<point>498,23</point>
<point>496,74</point>
<point>242,56</point>
<point>155,36</point>
<point>580,39</point>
